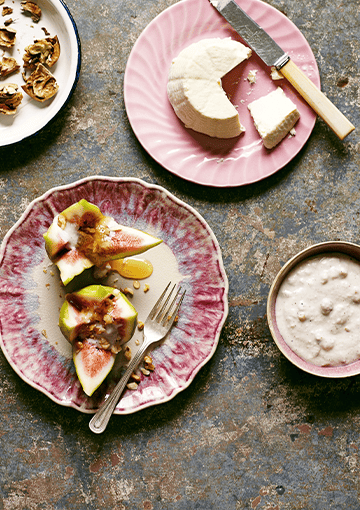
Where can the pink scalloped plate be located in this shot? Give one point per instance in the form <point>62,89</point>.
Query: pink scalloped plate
<point>192,156</point>
<point>31,294</point>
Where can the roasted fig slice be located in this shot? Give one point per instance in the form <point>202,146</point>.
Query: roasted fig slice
<point>7,37</point>
<point>44,51</point>
<point>81,237</point>
<point>33,9</point>
<point>96,320</point>
<point>8,65</point>
<point>10,98</point>
<point>41,84</point>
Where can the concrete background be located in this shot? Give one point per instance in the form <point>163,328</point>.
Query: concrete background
<point>252,431</point>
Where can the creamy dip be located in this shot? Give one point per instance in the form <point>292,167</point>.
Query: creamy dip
<point>318,309</point>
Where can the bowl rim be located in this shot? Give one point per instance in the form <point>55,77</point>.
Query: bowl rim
<point>349,248</point>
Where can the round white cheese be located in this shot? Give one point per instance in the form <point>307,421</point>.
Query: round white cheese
<point>194,86</point>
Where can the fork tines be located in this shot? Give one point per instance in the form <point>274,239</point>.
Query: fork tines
<point>163,313</point>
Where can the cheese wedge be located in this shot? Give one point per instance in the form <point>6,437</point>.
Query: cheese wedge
<point>274,116</point>
<point>194,86</point>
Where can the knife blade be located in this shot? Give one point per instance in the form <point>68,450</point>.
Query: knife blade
<point>272,55</point>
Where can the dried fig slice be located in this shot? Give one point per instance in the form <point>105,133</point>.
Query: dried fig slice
<point>7,37</point>
<point>41,84</point>
<point>43,51</point>
<point>8,65</point>
<point>10,98</point>
<point>33,9</point>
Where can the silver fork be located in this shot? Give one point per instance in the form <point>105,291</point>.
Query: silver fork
<point>157,325</point>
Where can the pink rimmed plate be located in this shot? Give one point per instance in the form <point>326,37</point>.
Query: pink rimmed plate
<point>192,156</point>
<point>31,294</point>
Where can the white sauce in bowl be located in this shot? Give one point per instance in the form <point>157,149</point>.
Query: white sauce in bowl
<point>318,309</point>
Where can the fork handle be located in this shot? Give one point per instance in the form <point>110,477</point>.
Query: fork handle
<point>101,418</point>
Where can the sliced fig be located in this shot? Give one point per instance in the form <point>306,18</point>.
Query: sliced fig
<point>81,237</point>
<point>96,320</point>
<point>92,365</point>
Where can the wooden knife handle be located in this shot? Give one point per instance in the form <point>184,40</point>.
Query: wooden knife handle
<point>317,100</point>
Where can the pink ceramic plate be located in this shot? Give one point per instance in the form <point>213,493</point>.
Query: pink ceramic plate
<point>195,157</point>
<point>31,294</point>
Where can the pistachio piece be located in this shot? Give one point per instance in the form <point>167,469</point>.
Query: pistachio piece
<point>8,65</point>
<point>7,37</point>
<point>33,9</point>
<point>10,98</point>
<point>41,84</point>
<point>43,51</point>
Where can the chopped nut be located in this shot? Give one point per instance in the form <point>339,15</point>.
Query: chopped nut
<point>149,363</point>
<point>43,51</point>
<point>104,344</point>
<point>44,333</point>
<point>61,221</point>
<point>127,353</point>
<point>140,326</point>
<point>8,65</point>
<point>8,22</point>
<point>7,10</point>
<point>146,287</point>
<point>148,359</point>
<point>108,319</point>
<point>132,386</point>
<point>145,371</point>
<point>128,292</point>
<point>41,84</point>
<point>7,37</point>
<point>10,98</point>
<point>78,346</point>
<point>136,285</point>
<point>33,9</point>
<point>135,377</point>
<point>115,349</point>
<point>137,342</point>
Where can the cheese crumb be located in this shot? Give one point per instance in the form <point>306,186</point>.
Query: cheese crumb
<point>252,76</point>
<point>275,74</point>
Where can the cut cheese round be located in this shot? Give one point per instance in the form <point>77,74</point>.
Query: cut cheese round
<point>194,86</point>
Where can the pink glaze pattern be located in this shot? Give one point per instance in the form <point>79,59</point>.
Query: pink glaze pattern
<point>135,203</point>
<point>193,156</point>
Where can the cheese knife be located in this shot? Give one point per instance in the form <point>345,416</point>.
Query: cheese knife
<point>272,55</point>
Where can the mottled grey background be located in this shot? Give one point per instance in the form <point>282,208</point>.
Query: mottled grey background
<point>252,431</point>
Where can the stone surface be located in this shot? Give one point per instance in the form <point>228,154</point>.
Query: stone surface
<point>251,431</point>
